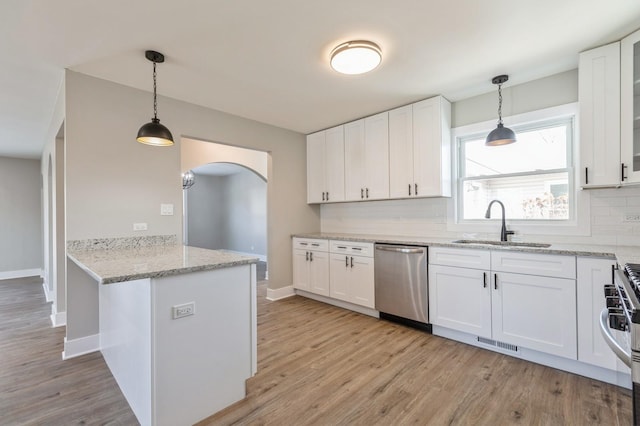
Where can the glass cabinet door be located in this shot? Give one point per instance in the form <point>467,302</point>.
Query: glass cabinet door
<point>630,107</point>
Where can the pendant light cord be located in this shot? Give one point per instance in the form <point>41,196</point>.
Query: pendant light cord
<point>499,101</point>
<point>155,100</point>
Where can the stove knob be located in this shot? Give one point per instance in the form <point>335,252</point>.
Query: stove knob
<point>613,301</point>
<point>618,322</point>
<point>610,290</point>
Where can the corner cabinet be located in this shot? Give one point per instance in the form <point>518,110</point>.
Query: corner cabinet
<point>630,107</point>
<point>420,149</point>
<point>325,166</point>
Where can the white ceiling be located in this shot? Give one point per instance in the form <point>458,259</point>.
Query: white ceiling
<point>268,60</point>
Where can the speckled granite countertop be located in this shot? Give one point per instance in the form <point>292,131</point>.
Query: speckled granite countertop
<point>127,264</point>
<point>623,254</point>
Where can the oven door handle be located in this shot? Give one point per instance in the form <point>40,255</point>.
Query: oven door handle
<point>611,340</point>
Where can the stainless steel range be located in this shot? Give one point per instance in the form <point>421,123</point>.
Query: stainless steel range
<point>623,314</point>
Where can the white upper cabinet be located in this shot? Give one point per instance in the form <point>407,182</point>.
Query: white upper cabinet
<point>325,166</point>
<point>599,96</point>
<point>630,107</point>
<point>420,149</point>
<point>366,152</point>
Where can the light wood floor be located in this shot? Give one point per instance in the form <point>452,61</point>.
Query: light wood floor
<point>317,364</point>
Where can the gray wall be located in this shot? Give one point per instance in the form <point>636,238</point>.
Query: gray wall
<point>206,213</point>
<point>558,89</point>
<point>112,181</point>
<point>228,212</point>
<point>20,215</point>
<point>246,196</point>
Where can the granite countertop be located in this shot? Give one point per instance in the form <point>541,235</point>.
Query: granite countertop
<point>127,264</point>
<point>623,254</point>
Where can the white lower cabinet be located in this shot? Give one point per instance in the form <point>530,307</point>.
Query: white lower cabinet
<point>311,266</point>
<point>340,270</point>
<point>593,274</point>
<point>532,311</point>
<point>351,279</point>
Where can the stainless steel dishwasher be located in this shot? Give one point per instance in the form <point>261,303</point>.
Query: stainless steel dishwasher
<point>401,284</point>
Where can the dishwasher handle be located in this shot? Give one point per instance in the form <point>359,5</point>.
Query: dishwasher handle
<point>401,249</point>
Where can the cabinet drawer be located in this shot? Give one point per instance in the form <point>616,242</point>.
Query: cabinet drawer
<point>352,248</point>
<point>548,265</point>
<point>464,258</point>
<point>310,244</point>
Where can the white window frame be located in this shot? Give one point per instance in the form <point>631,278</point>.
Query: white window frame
<point>578,224</point>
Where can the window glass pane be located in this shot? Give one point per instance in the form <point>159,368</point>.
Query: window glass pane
<point>536,149</point>
<point>539,196</point>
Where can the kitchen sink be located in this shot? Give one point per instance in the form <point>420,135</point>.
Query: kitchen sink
<point>502,243</point>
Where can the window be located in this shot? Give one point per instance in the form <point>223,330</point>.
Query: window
<point>532,177</point>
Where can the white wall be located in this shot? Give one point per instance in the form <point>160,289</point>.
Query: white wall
<point>428,217</point>
<point>112,181</point>
<point>21,242</point>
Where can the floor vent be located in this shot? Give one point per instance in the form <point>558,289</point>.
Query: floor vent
<point>498,344</point>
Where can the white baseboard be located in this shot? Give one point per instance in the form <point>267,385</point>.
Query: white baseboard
<point>58,319</point>
<point>48,295</point>
<point>339,303</point>
<point>81,346</point>
<point>23,273</point>
<point>280,293</point>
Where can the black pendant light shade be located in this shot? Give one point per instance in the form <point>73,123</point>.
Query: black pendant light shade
<point>154,133</point>
<point>500,135</point>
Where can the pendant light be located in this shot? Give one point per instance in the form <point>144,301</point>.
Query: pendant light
<point>500,135</point>
<point>154,133</point>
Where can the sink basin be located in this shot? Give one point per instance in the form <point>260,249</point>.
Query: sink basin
<point>502,243</point>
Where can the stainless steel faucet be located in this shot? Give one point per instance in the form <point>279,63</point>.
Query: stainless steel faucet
<point>503,232</point>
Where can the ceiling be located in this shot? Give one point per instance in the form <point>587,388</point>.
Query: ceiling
<point>268,60</point>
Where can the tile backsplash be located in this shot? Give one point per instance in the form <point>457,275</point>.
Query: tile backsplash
<point>611,218</point>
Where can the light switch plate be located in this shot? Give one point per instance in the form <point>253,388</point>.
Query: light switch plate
<point>139,226</point>
<point>166,209</point>
<point>184,310</point>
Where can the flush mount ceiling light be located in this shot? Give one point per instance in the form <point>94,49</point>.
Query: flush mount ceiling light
<point>356,57</point>
<point>154,133</point>
<point>500,135</point>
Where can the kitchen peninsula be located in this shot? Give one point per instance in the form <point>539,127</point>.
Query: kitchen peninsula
<point>176,324</point>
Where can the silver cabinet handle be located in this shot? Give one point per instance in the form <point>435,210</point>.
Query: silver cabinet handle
<point>586,176</point>
<point>322,195</point>
<point>416,187</point>
<point>361,193</point>
<point>311,256</point>
<point>611,340</point>
<point>495,281</point>
<point>352,261</point>
<point>307,256</point>
<point>484,279</point>
<point>327,195</point>
<point>346,261</point>
<point>622,176</point>
<point>367,191</point>
<point>409,189</point>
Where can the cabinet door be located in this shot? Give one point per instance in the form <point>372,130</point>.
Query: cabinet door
<point>334,158</point>
<point>401,152</point>
<point>319,272</point>
<point>361,283</point>
<point>599,95</point>
<point>535,312</point>
<point>593,274</point>
<point>354,161</point>
<point>316,167</point>
<point>339,276</point>
<point>432,147</point>
<point>460,299</point>
<point>376,161</point>
<point>630,106</point>
<point>301,270</point>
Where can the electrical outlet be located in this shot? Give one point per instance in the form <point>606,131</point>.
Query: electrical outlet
<point>184,310</point>
<point>139,226</point>
<point>632,217</point>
